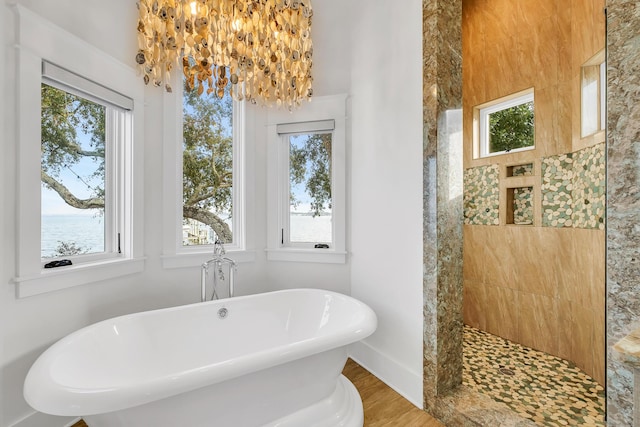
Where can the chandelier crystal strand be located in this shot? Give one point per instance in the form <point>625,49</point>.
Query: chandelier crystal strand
<point>258,50</point>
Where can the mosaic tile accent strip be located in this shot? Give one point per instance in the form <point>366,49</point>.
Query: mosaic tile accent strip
<point>523,205</point>
<point>522,170</point>
<point>589,188</point>
<point>573,189</point>
<point>542,388</point>
<point>481,195</point>
<point>556,188</point>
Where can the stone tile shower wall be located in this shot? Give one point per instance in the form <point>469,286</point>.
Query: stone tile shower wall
<point>623,175</point>
<point>572,192</point>
<point>536,274</point>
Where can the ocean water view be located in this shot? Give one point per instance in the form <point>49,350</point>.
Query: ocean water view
<point>86,232</point>
<point>309,229</point>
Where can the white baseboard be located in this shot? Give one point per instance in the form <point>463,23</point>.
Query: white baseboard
<point>38,419</point>
<point>407,383</point>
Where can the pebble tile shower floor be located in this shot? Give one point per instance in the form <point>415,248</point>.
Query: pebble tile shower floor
<point>542,388</point>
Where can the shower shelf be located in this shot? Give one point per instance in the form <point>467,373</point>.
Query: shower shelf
<point>519,188</point>
<point>519,206</point>
<point>520,170</point>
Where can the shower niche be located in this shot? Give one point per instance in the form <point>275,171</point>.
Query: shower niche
<point>519,194</point>
<point>520,206</point>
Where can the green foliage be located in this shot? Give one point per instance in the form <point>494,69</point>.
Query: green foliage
<point>208,156</point>
<point>310,163</point>
<point>63,115</point>
<point>511,128</point>
<point>208,153</point>
<point>69,248</point>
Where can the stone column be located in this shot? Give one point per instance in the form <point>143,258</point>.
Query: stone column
<point>442,197</point>
<point>623,198</point>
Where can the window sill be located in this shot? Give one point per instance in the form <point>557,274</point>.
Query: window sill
<point>307,255</point>
<point>196,259</point>
<point>55,279</point>
<point>505,153</point>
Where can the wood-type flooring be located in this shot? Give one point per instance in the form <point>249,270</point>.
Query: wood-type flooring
<point>383,406</point>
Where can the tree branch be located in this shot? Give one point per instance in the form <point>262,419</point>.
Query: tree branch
<point>72,145</point>
<point>221,229</point>
<point>197,197</point>
<point>68,197</point>
<point>74,148</point>
<point>89,153</point>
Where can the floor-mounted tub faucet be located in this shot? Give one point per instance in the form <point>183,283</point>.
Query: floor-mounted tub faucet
<point>218,261</point>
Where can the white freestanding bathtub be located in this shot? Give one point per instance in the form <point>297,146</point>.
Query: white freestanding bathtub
<point>272,359</point>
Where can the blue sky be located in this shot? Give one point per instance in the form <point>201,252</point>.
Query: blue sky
<point>52,203</point>
<point>299,191</point>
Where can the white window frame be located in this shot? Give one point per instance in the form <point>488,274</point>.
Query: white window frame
<point>485,110</point>
<point>117,137</point>
<point>63,49</point>
<point>175,255</point>
<point>285,131</point>
<point>321,109</point>
<point>586,97</point>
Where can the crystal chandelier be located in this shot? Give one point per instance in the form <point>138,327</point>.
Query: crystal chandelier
<point>262,48</point>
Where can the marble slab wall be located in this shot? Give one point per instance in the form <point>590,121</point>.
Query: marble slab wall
<point>623,199</point>
<point>442,199</point>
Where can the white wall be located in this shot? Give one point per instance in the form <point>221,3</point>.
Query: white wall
<point>31,324</point>
<point>386,187</point>
<point>4,31</point>
<point>330,33</point>
<point>357,53</point>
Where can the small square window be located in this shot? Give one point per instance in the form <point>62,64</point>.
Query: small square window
<point>506,125</point>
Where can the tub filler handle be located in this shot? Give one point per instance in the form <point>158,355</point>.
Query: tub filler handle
<point>218,261</point>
